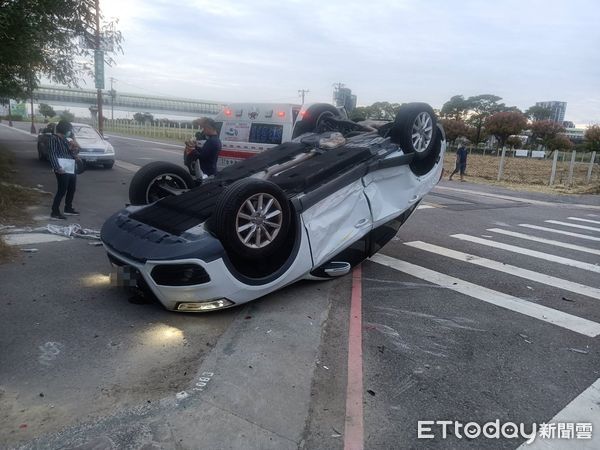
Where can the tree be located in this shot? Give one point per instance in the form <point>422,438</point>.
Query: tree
<point>67,115</point>
<point>481,107</point>
<point>504,124</point>
<point>514,142</point>
<point>545,131</point>
<point>592,137</point>
<point>38,38</point>
<point>536,113</point>
<point>143,117</point>
<point>454,129</point>
<point>560,142</point>
<point>46,110</point>
<point>456,108</point>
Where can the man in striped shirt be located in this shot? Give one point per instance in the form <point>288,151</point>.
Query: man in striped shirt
<point>59,147</point>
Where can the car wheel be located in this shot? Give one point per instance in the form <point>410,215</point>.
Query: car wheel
<point>252,218</point>
<point>415,129</point>
<point>108,165</point>
<point>313,116</point>
<point>158,180</point>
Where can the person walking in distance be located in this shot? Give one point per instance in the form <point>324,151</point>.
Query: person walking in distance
<point>461,162</point>
<point>66,179</point>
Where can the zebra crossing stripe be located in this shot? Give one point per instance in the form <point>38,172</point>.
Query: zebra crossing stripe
<point>532,253</point>
<point>574,225</point>
<point>566,233</point>
<point>585,408</point>
<point>543,313</point>
<point>597,222</point>
<point>580,248</point>
<point>511,270</point>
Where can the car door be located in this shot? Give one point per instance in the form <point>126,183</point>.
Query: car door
<point>390,192</point>
<point>337,221</point>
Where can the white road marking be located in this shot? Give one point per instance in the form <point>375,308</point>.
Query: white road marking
<point>50,350</point>
<point>574,225</point>
<point>566,233</point>
<point>585,408</point>
<point>545,241</point>
<point>511,270</point>
<point>147,142</point>
<point>425,206</point>
<point>517,199</point>
<point>127,166</point>
<point>533,253</point>
<point>543,313</point>
<point>597,222</point>
<point>32,238</point>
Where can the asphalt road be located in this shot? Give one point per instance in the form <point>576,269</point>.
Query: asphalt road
<point>453,328</point>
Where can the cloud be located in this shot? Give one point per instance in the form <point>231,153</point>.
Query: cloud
<point>384,50</point>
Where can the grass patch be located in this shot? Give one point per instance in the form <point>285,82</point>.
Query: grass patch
<point>527,174</point>
<point>14,200</point>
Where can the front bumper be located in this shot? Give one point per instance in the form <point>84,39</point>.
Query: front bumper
<point>97,157</point>
<point>150,254</point>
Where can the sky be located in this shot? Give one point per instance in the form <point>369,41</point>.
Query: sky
<point>384,50</point>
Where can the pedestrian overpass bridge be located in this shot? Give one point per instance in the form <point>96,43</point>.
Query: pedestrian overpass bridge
<point>84,98</point>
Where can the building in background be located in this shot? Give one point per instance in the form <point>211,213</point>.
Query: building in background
<point>558,110</point>
<point>342,97</point>
<point>576,135</point>
<point>568,124</point>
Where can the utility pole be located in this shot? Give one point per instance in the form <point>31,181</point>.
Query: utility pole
<point>112,99</point>
<point>99,67</point>
<point>302,92</point>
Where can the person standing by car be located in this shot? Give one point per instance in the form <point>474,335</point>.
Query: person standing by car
<point>60,147</point>
<point>208,154</point>
<point>461,162</point>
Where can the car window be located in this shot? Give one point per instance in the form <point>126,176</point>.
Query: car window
<point>85,132</point>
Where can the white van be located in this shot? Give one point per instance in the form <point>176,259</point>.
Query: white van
<point>246,129</point>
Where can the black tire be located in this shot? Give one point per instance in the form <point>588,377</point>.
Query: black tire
<point>231,228</point>
<point>145,186</point>
<point>415,129</point>
<point>423,166</point>
<point>108,165</point>
<point>308,122</point>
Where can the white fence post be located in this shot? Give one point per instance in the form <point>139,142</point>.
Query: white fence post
<point>589,174</point>
<point>554,161</point>
<point>501,168</point>
<point>571,167</point>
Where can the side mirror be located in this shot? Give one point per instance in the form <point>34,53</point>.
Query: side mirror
<point>105,138</point>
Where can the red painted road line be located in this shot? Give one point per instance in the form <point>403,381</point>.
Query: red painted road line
<point>353,433</point>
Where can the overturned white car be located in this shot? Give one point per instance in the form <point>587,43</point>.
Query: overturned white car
<point>307,209</point>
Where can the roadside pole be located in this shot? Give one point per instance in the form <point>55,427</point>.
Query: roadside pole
<point>99,70</point>
<point>501,168</point>
<point>571,167</point>
<point>554,161</point>
<point>589,174</point>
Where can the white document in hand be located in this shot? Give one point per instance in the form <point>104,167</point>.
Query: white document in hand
<point>67,164</point>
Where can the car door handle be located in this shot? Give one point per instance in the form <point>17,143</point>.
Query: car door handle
<point>361,223</point>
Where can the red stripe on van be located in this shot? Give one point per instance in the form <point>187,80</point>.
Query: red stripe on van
<point>236,154</point>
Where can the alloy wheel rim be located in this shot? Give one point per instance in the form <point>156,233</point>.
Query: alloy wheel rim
<point>258,220</point>
<point>422,132</point>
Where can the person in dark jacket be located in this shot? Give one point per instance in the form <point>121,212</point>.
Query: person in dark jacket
<point>208,154</point>
<point>60,147</point>
<point>461,163</point>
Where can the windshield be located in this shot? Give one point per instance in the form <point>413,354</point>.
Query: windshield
<point>83,132</point>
